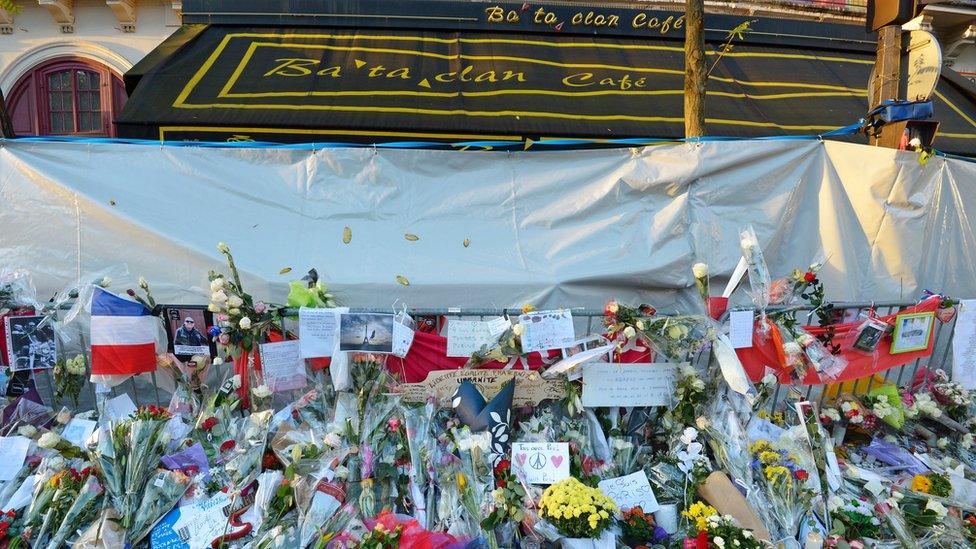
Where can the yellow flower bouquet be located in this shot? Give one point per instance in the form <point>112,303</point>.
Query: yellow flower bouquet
<point>577,510</point>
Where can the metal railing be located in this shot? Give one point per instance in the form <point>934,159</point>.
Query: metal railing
<point>586,321</point>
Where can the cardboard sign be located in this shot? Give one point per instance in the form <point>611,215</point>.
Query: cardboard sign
<point>541,462</point>
<point>465,337</point>
<point>530,387</point>
<point>609,384</point>
<point>631,491</point>
<point>192,526</point>
<point>544,330</point>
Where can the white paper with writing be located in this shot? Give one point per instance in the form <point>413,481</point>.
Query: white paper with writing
<point>464,337</point>
<point>760,429</point>
<point>609,384</point>
<point>740,329</point>
<point>318,330</point>
<point>964,345</point>
<point>24,494</point>
<point>78,430</point>
<point>403,330</point>
<point>283,367</point>
<point>631,491</point>
<point>194,525</point>
<point>13,452</point>
<point>120,407</point>
<point>544,330</point>
<point>541,462</point>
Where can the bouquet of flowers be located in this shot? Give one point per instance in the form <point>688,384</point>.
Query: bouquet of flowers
<point>160,494</point>
<point>69,376</point>
<point>853,518</point>
<point>783,481</point>
<point>577,510</point>
<point>639,528</point>
<point>676,337</point>
<point>82,511</point>
<point>508,498</point>
<point>709,530</point>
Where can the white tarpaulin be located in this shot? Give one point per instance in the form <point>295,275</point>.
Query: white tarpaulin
<point>550,228</point>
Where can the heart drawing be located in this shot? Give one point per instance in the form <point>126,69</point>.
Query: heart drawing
<point>556,461</point>
<point>520,458</point>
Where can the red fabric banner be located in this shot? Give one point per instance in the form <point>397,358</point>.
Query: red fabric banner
<point>859,364</point>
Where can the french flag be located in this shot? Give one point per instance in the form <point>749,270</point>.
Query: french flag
<point>123,335</point>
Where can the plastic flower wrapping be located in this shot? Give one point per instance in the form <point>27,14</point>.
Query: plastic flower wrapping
<point>700,452</point>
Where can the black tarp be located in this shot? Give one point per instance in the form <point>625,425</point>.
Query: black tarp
<point>332,84</point>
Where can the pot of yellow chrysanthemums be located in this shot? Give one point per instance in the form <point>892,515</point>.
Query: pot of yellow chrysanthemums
<point>584,515</point>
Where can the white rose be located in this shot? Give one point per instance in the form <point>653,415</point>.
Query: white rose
<point>217,284</point>
<point>56,463</point>
<point>629,332</point>
<point>236,380</point>
<point>245,323</point>
<point>942,443</point>
<point>719,541</point>
<point>517,329</point>
<point>213,308</point>
<point>223,248</point>
<point>698,384</point>
<point>218,297</point>
<point>234,301</point>
<point>143,283</point>
<point>333,440</point>
<point>768,379</point>
<point>700,270</point>
<point>261,391</point>
<point>48,440</point>
<point>105,282</point>
<point>27,431</point>
<point>218,361</point>
<point>613,307</point>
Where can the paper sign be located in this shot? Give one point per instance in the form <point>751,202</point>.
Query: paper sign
<point>13,452</point>
<point>403,330</point>
<point>318,330</point>
<point>541,462</point>
<point>192,526</point>
<point>740,329</point>
<point>760,429</point>
<point>544,330</point>
<point>631,491</point>
<point>465,337</point>
<point>530,387</point>
<point>283,367</point>
<point>24,494</point>
<point>78,430</point>
<point>964,345</point>
<point>582,351</point>
<point>120,407</point>
<point>609,384</point>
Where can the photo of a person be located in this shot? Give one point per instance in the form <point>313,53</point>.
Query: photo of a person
<point>188,331</point>
<point>30,343</point>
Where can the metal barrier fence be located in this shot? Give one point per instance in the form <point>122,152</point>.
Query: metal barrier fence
<point>587,321</point>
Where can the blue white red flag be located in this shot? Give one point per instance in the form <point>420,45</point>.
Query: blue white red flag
<point>123,335</point>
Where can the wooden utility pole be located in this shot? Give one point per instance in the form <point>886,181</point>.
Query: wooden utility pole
<point>695,76</point>
<point>886,68</point>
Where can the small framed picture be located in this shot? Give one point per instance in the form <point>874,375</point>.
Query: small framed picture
<point>367,332</point>
<point>912,332</point>
<point>30,343</point>
<point>870,335</point>
<point>187,327</point>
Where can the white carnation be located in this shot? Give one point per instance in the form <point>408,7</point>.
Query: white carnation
<point>217,284</point>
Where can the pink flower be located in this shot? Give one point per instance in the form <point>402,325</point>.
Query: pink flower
<point>689,543</point>
<point>394,424</point>
<point>221,317</point>
<point>260,307</point>
<point>224,339</point>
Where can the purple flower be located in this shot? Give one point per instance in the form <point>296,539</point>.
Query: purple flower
<point>660,534</point>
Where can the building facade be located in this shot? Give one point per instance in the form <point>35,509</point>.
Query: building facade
<point>62,61</point>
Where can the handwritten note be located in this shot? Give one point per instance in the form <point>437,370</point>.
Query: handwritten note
<point>78,430</point>
<point>607,384</point>
<point>120,407</point>
<point>13,452</point>
<point>631,491</point>
<point>318,331</point>
<point>740,329</point>
<point>284,369</point>
<point>403,330</point>
<point>544,330</point>
<point>464,337</point>
<point>964,345</point>
<point>541,462</point>
<point>192,526</point>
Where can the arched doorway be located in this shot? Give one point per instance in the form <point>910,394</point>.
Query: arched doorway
<point>66,96</point>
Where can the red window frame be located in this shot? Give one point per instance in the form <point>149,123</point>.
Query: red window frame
<point>36,84</point>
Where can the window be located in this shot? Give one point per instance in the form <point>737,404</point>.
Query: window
<point>66,97</point>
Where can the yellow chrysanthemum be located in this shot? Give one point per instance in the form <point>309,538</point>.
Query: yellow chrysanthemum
<point>921,483</point>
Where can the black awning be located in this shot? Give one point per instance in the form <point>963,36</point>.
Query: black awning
<point>332,84</point>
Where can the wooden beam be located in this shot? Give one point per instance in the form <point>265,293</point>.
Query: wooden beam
<point>125,12</point>
<point>62,12</point>
<point>6,22</point>
<point>887,67</point>
<point>694,68</point>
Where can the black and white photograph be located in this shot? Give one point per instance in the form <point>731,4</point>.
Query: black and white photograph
<point>187,328</point>
<point>369,332</point>
<point>30,343</point>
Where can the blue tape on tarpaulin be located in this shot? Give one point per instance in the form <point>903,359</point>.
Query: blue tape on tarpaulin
<point>476,145</point>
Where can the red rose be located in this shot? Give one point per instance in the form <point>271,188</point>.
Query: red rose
<point>502,466</point>
<point>810,277</point>
<point>702,540</point>
<point>209,423</point>
<point>11,513</point>
<point>801,474</point>
<point>269,461</point>
<point>227,445</point>
<point>4,525</point>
